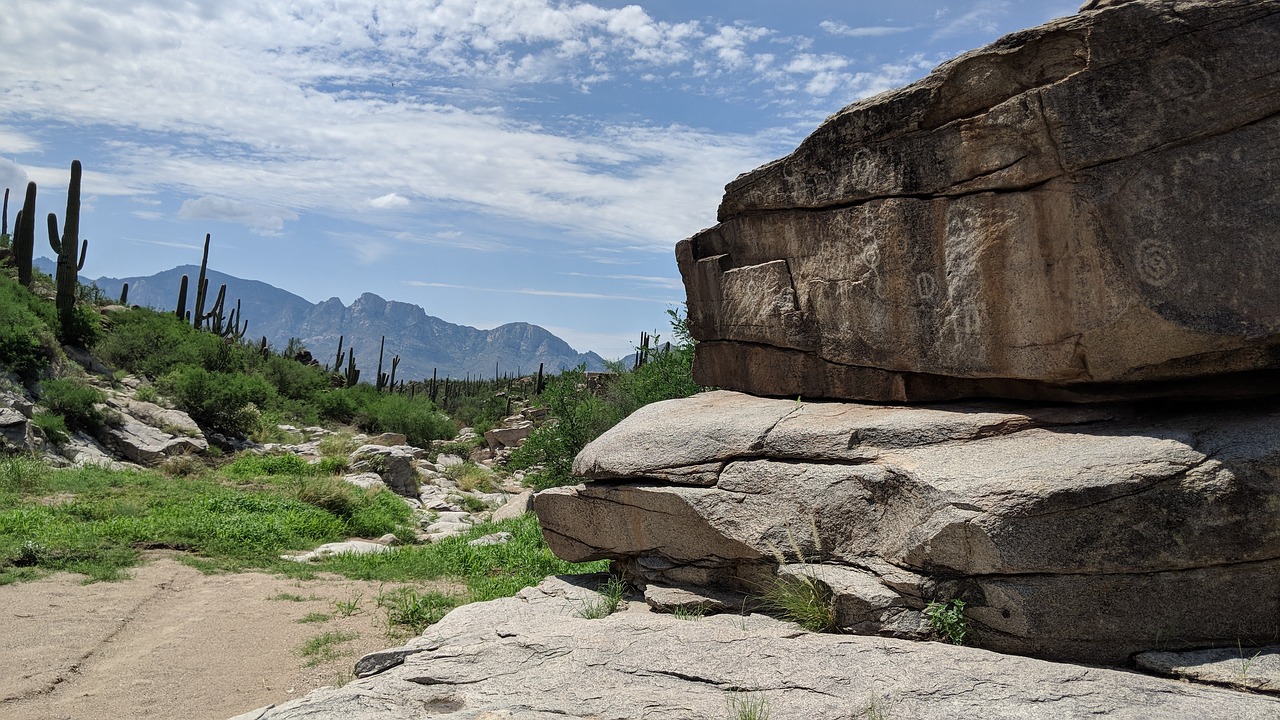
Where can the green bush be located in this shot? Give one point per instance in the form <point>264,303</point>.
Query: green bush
<point>75,401</point>
<point>83,329</point>
<point>417,418</point>
<point>53,426</point>
<point>27,322</point>
<point>581,416</point>
<point>219,401</point>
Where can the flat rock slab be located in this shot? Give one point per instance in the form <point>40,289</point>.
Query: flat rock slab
<point>1081,534</point>
<point>533,658</point>
<point>1251,668</point>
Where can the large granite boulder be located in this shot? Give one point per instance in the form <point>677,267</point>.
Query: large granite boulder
<point>1083,210</point>
<point>1081,533</point>
<point>533,657</point>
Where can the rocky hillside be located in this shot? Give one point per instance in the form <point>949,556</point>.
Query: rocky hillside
<point>424,342</point>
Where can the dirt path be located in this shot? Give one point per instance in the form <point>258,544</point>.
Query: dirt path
<point>174,643</point>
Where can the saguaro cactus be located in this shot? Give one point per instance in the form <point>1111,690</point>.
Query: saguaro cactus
<point>181,312</point>
<point>124,294</point>
<point>24,236</point>
<point>202,285</point>
<point>68,265</point>
<point>4,214</point>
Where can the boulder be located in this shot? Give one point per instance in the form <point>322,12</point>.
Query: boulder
<point>1072,533</point>
<point>533,657</point>
<point>346,547</point>
<point>515,507</point>
<point>510,436</point>
<point>395,465</point>
<point>1085,210</point>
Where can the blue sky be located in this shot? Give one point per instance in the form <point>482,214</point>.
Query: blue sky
<point>492,161</point>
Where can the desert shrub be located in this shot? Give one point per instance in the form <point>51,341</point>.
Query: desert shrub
<point>220,401</point>
<point>83,327</point>
<point>292,379</point>
<point>27,340</point>
<point>948,621</point>
<point>417,418</point>
<point>75,401</point>
<point>580,415</point>
<point>53,426</point>
<point>248,466</point>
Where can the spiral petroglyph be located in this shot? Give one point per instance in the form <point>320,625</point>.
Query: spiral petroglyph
<point>1155,263</point>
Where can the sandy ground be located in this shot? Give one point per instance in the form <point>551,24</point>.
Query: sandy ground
<point>172,642</point>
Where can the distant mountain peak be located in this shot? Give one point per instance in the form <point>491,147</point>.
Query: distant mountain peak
<point>425,343</point>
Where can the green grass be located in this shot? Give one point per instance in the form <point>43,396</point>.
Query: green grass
<point>606,602</point>
<point>748,706</point>
<point>101,520</point>
<point>322,648</point>
<point>294,597</point>
<point>489,572</point>
<point>411,610</point>
<point>803,600</point>
<point>314,617</point>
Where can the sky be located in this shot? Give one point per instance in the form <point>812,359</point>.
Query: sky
<point>493,161</point>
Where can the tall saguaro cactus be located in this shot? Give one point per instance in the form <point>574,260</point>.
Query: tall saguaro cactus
<point>24,235</point>
<point>202,285</point>
<point>4,214</point>
<point>68,265</point>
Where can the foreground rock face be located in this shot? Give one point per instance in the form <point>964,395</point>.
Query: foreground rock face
<point>533,658</point>
<point>1082,210</point>
<point>1072,533</point>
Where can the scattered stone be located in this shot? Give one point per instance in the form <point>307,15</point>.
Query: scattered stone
<point>365,480</point>
<point>447,461</point>
<point>498,538</point>
<point>353,547</point>
<point>510,436</point>
<point>389,539</point>
<point>514,507</point>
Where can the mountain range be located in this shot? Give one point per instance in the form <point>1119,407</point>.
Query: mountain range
<point>424,343</point>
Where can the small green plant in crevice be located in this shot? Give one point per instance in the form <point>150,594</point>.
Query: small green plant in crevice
<point>748,706</point>
<point>803,599</point>
<point>1246,664</point>
<point>76,401</point>
<point>322,648</point>
<point>608,597</point>
<point>878,708</point>
<point>147,393</point>
<point>689,612</point>
<point>409,609</point>
<point>348,607</point>
<point>948,621</point>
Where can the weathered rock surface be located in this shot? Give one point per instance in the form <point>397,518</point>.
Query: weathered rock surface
<point>532,658</point>
<point>1252,668</point>
<point>395,465</point>
<point>1083,210</point>
<point>148,434</point>
<point>1080,533</point>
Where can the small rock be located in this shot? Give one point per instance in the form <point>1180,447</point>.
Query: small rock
<point>498,538</point>
<point>354,547</point>
<point>445,461</point>
<point>515,507</point>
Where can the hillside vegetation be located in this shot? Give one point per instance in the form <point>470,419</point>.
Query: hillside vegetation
<point>230,511</point>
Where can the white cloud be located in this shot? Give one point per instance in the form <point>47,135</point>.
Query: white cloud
<point>839,28</point>
<point>262,219</point>
<point>390,201</point>
<point>983,18</point>
<point>14,142</point>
